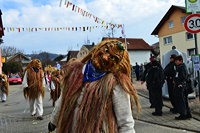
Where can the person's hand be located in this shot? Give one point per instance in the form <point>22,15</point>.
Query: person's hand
<point>51,127</point>
<point>142,82</point>
<point>179,86</point>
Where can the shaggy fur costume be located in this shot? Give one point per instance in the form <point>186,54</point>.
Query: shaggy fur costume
<point>95,112</point>
<point>5,84</point>
<point>55,94</point>
<point>35,80</point>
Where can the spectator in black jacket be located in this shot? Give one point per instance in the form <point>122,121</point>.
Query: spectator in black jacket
<point>137,71</point>
<point>180,90</point>
<point>169,76</point>
<point>149,88</point>
<point>155,81</point>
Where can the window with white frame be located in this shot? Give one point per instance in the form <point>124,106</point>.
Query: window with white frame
<point>191,51</point>
<point>189,36</point>
<point>183,19</point>
<point>167,40</point>
<point>171,24</point>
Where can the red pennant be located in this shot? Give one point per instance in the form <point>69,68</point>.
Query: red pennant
<point>73,7</point>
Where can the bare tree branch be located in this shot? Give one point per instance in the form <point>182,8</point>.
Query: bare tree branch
<point>9,51</point>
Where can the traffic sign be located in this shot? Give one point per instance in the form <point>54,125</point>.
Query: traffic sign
<point>192,6</point>
<point>192,23</point>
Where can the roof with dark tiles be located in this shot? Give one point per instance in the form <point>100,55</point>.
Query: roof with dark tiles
<point>133,43</point>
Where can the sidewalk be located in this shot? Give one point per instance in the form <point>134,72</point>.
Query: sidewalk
<point>167,119</point>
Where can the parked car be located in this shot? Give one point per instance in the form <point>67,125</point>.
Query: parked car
<point>15,79</point>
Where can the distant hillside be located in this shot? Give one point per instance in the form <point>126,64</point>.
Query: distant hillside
<point>44,56</point>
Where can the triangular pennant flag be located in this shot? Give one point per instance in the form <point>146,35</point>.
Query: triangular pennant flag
<point>73,7</point>
<point>78,9</point>
<point>68,4</point>
<point>96,19</point>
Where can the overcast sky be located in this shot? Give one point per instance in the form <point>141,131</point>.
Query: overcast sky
<point>139,17</point>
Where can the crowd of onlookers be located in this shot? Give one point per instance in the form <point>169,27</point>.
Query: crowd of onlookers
<point>176,76</point>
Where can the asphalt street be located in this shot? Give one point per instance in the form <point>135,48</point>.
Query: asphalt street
<point>15,117</point>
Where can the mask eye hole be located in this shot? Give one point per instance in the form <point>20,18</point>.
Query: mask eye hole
<point>106,50</point>
<point>112,57</point>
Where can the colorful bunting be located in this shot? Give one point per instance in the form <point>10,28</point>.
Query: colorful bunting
<point>87,14</point>
<point>36,29</point>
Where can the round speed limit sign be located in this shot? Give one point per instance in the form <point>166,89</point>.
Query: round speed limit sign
<point>192,23</point>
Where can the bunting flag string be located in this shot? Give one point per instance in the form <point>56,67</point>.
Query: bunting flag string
<point>87,14</point>
<point>35,29</point>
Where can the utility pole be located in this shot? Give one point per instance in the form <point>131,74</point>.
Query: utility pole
<point>1,41</point>
<point>196,53</point>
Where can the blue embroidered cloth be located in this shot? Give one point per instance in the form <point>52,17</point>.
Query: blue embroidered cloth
<point>91,73</point>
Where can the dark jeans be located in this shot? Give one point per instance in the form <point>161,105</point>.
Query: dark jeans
<point>181,100</point>
<point>155,97</point>
<point>137,76</point>
<point>150,95</point>
<point>170,85</point>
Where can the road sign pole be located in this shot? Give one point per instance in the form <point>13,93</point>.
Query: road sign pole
<point>196,53</point>
<point>191,24</point>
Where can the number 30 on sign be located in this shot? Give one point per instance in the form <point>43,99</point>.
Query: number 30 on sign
<point>192,23</point>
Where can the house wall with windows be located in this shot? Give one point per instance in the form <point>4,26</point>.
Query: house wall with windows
<point>171,32</point>
<point>180,41</point>
<point>176,20</point>
<point>83,52</point>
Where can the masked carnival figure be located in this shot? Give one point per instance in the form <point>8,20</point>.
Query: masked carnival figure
<point>33,85</point>
<point>55,86</point>
<point>4,87</point>
<point>97,93</point>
